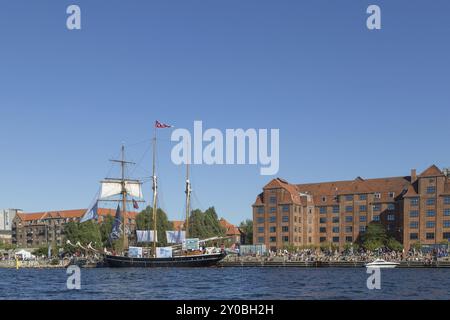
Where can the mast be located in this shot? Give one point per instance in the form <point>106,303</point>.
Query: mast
<point>124,201</point>
<point>155,193</point>
<point>188,198</point>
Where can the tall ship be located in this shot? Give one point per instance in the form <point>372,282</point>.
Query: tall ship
<point>186,252</point>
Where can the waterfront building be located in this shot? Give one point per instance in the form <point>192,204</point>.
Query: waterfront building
<point>34,230</point>
<point>6,219</point>
<point>415,209</point>
<point>232,231</point>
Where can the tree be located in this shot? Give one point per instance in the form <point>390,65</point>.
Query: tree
<point>205,225</point>
<point>247,228</point>
<point>144,221</point>
<point>376,237</point>
<point>85,233</point>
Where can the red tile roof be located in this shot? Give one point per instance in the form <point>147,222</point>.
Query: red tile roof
<point>432,171</point>
<point>231,230</point>
<point>68,214</point>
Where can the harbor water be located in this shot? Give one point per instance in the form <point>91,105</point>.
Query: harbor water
<point>225,283</point>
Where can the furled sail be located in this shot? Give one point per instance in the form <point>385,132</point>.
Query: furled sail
<point>113,188</point>
<point>146,236</point>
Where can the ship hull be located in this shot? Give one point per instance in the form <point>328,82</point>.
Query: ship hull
<point>198,261</point>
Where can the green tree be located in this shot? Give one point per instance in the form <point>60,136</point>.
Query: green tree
<point>394,245</point>
<point>247,228</point>
<point>205,225</point>
<point>144,221</point>
<point>85,233</point>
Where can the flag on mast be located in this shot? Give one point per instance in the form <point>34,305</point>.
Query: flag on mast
<point>160,125</point>
<point>135,204</point>
<point>91,213</point>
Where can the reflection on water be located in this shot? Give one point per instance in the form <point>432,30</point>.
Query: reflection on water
<point>225,283</point>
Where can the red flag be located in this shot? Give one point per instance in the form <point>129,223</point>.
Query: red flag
<point>135,204</point>
<point>160,125</point>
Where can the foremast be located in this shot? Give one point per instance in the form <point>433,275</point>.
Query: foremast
<point>155,194</point>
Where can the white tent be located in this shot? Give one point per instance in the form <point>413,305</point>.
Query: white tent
<point>24,255</point>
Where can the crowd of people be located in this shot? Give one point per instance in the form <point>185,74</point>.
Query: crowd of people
<point>360,255</point>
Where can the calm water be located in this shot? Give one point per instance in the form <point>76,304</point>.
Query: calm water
<point>226,283</point>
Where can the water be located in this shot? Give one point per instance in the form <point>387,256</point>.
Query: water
<point>224,283</point>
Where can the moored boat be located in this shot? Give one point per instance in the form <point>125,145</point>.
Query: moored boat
<point>380,263</point>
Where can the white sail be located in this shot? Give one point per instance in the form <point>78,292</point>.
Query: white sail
<point>113,188</point>
<point>146,236</point>
<point>175,237</point>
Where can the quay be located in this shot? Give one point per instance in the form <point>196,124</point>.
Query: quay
<point>281,263</point>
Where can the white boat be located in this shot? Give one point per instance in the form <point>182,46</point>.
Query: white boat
<point>380,263</point>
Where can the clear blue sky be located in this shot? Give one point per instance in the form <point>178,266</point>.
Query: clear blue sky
<point>348,101</point>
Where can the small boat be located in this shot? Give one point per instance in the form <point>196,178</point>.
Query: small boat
<point>380,263</point>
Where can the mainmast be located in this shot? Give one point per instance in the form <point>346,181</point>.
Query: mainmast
<point>155,194</point>
<point>188,198</point>
<point>124,200</point>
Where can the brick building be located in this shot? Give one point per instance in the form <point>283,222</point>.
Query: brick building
<point>33,230</point>
<point>413,208</point>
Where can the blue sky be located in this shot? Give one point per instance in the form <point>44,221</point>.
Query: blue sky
<point>348,101</point>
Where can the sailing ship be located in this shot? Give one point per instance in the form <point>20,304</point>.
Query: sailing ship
<point>128,189</point>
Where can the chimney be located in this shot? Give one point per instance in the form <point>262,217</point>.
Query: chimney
<point>413,175</point>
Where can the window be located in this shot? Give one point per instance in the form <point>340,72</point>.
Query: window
<point>335,229</point>
<point>377,207</point>
<point>272,219</point>
<point>284,229</point>
<point>447,212</point>
<point>414,202</point>
<point>414,225</point>
<point>323,220</point>
<point>391,217</point>
<point>431,213</point>
<point>413,236</point>
<point>430,236</point>
<point>260,229</point>
<point>322,230</point>
<point>273,210</point>
<point>324,199</point>
<point>446,223</point>
<point>431,224</point>
<point>363,197</point>
<point>391,207</point>
<point>348,239</point>
<point>273,229</point>
<point>348,209</point>
<point>348,219</point>
<point>335,209</point>
<point>273,239</point>
<point>447,200</point>
<point>260,209</point>
<point>323,210</point>
<point>335,239</point>
<point>323,239</point>
<point>362,208</point>
<point>285,208</point>
<point>414,214</point>
<point>285,218</point>
<point>273,199</point>
<point>362,229</point>
<point>349,198</point>
<point>349,229</point>
<point>446,235</point>
<point>376,218</point>
<point>431,190</point>
<point>392,195</point>
<point>260,220</point>
<point>261,239</point>
<point>285,239</point>
<point>377,195</point>
<point>431,202</point>
<point>362,218</point>
<point>335,219</point>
